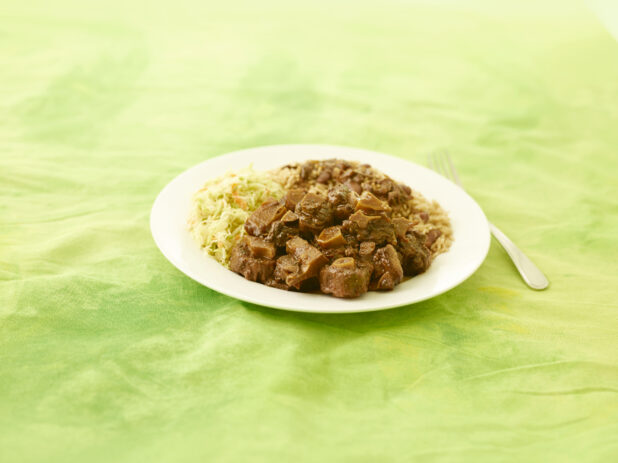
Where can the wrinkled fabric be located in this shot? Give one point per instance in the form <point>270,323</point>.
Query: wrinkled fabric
<point>108,353</point>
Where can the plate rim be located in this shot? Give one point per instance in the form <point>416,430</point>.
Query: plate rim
<point>156,235</point>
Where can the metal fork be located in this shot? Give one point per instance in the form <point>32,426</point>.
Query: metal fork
<point>442,163</point>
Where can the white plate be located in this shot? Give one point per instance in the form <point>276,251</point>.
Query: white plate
<point>470,229</point>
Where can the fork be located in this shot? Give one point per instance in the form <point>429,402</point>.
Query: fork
<point>532,275</point>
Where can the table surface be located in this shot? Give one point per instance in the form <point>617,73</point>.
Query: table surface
<point>108,353</point>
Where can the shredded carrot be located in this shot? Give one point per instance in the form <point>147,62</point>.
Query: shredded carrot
<point>241,202</point>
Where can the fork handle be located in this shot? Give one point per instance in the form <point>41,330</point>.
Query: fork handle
<point>528,271</point>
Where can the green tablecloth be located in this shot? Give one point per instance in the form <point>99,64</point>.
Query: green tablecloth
<point>108,353</point>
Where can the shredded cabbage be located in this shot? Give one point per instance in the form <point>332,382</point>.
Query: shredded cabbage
<point>221,207</point>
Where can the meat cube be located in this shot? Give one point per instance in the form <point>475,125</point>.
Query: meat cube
<point>289,218</point>
<point>286,265</point>
<point>314,213</point>
<point>387,268</point>
<point>293,197</point>
<point>343,201</point>
<point>378,229</point>
<point>415,256</point>
<point>345,278</point>
<point>260,221</point>
<point>310,260</point>
<point>366,248</point>
<point>259,247</point>
<point>331,237</point>
<point>281,232</point>
<point>286,276</point>
<point>252,268</point>
<point>371,205</point>
<point>401,226</point>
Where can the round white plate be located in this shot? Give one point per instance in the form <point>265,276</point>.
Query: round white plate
<point>169,214</point>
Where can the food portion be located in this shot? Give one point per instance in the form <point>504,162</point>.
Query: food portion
<point>334,226</point>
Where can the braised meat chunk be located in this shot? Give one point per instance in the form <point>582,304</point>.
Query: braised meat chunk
<point>388,190</point>
<point>286,267</point>
<point>345,278</point>
<point>309,259</point>
<point>314,213</point>
<point>371,205</point>
<point>260,221</point>
<point>331,237</point>
<point>293,197</point>
<point>387,268</point>
<point>259,247</point>
<point>282,230</point>
<point>289,217</point>
<point>376,228</point>
<point>251,267</point>
<point>343,201</point>
<point>415,256</point>
<point>366,248</point>
<point>402,226</point>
